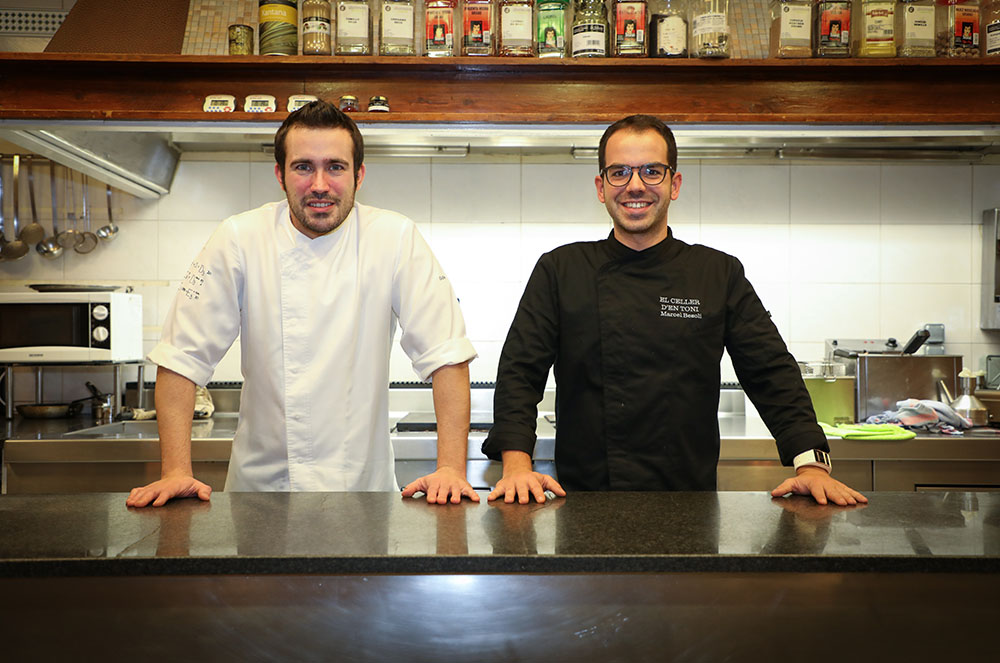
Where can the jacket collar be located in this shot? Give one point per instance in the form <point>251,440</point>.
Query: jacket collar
<point>664,250</point>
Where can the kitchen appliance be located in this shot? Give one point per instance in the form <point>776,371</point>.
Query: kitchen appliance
<point>63,327</point>
<point>831,391</point>
<point>989,317</point>
<point>884,375</point>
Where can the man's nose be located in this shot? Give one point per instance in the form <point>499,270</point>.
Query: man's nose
<point>320,181</point>
<point>635,182</point>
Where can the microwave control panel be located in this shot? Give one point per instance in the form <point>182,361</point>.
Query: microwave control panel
<point>100,334</point>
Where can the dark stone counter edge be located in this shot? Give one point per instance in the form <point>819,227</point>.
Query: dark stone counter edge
<point>492,564</point>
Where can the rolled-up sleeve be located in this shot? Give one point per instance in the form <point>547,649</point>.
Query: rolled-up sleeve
<point>433,329</point>
<point>204,318</point>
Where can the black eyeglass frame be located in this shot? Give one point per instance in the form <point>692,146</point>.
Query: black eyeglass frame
<point>631,171</point>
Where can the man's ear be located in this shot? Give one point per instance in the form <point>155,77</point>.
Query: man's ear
<point>280,176</point>
<point>599,183</point>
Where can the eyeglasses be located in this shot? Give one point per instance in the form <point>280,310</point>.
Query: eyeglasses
<point>650,173</point>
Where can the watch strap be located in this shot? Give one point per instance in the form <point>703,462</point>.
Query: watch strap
<point>813,458</point>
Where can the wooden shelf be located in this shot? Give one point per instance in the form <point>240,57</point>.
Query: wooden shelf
<point>172,88</point>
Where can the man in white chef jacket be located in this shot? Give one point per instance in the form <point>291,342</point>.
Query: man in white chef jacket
<point>314,287</point>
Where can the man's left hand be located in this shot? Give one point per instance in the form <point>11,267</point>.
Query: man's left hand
<point>441,484</point>
<point>817,482</point>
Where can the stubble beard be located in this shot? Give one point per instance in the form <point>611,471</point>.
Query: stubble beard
<point>328,221</point>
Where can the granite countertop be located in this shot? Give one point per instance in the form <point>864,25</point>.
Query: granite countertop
<point>351,533</point>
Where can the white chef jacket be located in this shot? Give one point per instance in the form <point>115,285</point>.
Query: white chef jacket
<point>316,318</point>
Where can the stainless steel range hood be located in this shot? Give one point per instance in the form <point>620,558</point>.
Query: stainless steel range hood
<point>141,157</point>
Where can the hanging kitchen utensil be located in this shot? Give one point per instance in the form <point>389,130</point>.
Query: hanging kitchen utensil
<point>110,231</point>
<point>49,247</point>
<point>89,241</point>
<point>33,232</point>
<point>15,249</point>
<point>69,238</point>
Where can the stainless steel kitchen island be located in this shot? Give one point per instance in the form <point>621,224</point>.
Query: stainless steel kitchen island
<point>594,576</point>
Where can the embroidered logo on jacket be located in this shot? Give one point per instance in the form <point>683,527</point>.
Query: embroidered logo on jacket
<point>679,307</point>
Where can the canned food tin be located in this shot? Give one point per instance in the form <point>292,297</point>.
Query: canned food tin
<point>240,40</point>
<point>378,103</point>
<point>279,27</point>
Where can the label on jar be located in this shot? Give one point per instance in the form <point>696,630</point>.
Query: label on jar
<point>630,26</point>
<point>710,22</point>
<point>440,28</point>
<point>551,32</point>
<point>918,24</point>
<point>879,28</point>
<point>316,25</point>
<point>397,20</point>
<point>352,20</point>
<point>671,35</point>
<point>589,40</point>
<point>966,33</point>
<point>476,20</point>
<point>993,38</point>
<point>835,26</point>
<point>515,23</point>
<point>795,24</point>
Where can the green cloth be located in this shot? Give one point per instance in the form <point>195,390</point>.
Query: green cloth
<point>868,431</point>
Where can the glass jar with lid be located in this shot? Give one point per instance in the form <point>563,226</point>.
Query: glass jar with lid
<point>517,28</point>
<point>316,27</point>
<point>991,29</point>
<point>630,18</point>
<point>877,29</point>
<point>832,29</point>
<point>590,29</point>
<point>710,32</point>
<point>791,29</point>
<point>478,20</point>
<point>957,28</point>
<point>553,21</point>
<point>668,29</point>
<point>395,28</point>
<point>439,24</point>
<point>915,29</point>
<point>354,33</point>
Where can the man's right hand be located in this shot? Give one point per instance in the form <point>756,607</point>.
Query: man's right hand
<point>160,492</point>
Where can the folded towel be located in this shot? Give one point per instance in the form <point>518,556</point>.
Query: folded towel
<point>868,431</point>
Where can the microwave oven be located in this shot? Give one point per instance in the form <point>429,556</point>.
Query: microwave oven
<point>70,327</point>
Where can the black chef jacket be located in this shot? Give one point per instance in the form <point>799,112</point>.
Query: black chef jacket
<point>636,338</point>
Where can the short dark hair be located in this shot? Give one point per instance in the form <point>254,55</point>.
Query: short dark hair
<point>319,114</point>
<point>639,123</point>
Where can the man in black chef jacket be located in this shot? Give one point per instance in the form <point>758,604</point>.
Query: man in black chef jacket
<point>635,326</point>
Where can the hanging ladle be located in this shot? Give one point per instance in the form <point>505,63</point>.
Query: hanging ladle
<point>49,247</point>
<point>89,241</point>
<point>110,231</point>
<point>69,238</point>
<point>16,249</point>
<point>32,233</point>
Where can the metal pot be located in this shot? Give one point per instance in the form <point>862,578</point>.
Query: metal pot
<point>52,410</point>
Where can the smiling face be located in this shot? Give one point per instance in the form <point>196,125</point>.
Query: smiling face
<point>638,210</point>
<point>319,178</point>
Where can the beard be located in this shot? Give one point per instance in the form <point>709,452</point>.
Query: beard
<point>321,220</point>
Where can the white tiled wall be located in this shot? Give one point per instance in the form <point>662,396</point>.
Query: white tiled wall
<point>851,250</point>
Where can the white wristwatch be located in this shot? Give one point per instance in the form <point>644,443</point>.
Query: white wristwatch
<point>813,458</point>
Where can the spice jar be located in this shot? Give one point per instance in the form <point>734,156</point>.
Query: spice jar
<point>395,28</point>
<point>590,29</point>
<point>439,24</point>
<point>516,28</point>
<point>791,29</point>
<point>477,27</point>
<point>877,28</point>
<point>316,27</point>
<point>832,29</point>
<point>552,23</point>
<point>991,29</point>
<point>279,27</point>
<point>378,103</point>
<point>353,28</point>
<point>629,18</point>
<point>915,29</point>
<point>957,28</point>
<point>668,29</point>
<point>710,28</point>
<point>240,40</point>
<point>349,103</point>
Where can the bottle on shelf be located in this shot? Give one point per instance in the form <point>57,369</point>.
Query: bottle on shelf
<point>478,27</point>
<point>354,33</point>
<point>517,34</point>
<point>316,27</point>
<point>630,18</point>
<point>668,29</point>
<point>990,37</point>
<point>791,29</point>
<point>590,30</point>
<point>395,28</point>
<point>710,35</point>
<point>553,21</point>
<point>832,29</point>
<point>439,28</point>
<point>915,29</point>
<point>877,29</point>
<point>957,28</point>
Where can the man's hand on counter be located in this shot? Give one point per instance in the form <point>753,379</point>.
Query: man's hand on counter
<point>520,482</point>
<point>160,492</point>
<point>817,482</point>
<point>441,484</point>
